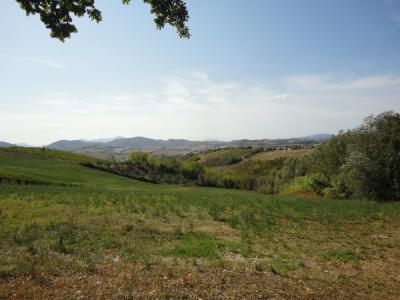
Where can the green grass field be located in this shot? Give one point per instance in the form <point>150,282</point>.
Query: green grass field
<point>106,236</point>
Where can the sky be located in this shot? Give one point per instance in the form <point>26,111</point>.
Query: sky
<point>252,69</point>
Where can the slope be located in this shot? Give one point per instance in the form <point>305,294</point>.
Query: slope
<point>32,168</point>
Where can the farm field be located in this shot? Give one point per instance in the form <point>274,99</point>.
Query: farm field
<point>104,236</point>
<point>224,157</point>
<point>270,155</point>
<point>235,159</point>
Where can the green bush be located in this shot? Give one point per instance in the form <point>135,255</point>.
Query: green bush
<point>313,184</point>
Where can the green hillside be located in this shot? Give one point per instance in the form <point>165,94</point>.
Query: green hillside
<point>225,157</point>
<point>14,165</point>
<point>49,154</point>
<point>232,159</point>
<point>102,235</point>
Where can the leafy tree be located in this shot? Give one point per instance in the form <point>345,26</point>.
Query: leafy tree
<point>364,162</point>
<point>363,177</point>
<point>382,145</point>
<point>328,157</point>
<point>57,14</point>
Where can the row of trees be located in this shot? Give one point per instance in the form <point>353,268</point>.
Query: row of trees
<point>152,168</point>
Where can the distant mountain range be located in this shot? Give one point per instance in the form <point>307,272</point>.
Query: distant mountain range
<point>119,148</point>
<point>319,137</point>
<point>130,143</point>
<point>72,145</point>
<point>143,143</point>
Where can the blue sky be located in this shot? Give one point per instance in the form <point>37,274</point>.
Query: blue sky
<point>252,69</point>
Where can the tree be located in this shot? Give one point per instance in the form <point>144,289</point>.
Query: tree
<point>363,162</point>
<point>364,178</point>
<point>57,14</point>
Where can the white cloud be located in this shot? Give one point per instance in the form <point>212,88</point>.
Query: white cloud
<point>196,91</point>
<point>196,106</point>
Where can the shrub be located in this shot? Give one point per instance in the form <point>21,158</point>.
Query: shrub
<point>313,184</point>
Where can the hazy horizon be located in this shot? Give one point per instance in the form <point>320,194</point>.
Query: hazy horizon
<point>260,69</point>
<point>154,138</point>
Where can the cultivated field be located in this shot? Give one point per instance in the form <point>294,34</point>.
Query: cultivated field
<point>270,155</point>
<point>225,157</point>
<point>235,159</point>
<point>85,234</point>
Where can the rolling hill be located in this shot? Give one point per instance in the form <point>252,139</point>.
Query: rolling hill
<point>107,236</point>
<point>72,145</point>
<point>47,170</point>
<point>5,144</point>
<point>120,147</point>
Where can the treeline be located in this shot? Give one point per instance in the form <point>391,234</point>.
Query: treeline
<point>363,163</point>
<point>268,177</point>
<point>151,168</point>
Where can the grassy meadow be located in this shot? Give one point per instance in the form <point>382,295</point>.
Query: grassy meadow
<point>79,233</point>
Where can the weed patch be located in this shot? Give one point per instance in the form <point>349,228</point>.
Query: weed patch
<point>343,256</point>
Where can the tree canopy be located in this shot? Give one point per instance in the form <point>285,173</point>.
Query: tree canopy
<point>57,14</point>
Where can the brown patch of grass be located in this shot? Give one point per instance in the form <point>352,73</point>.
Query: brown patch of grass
<point>171,280</point>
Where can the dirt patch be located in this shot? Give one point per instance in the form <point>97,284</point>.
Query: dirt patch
<point>170,280</point>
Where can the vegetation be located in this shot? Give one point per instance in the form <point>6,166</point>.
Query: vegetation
<point>48,154</point>
<point>273,154</point>
<point>19,168</point>
<point>226,157</point>
<point>360,164</point>
<point>57,15</point>
<point>363,163</point>
<point>61,221</point>
<point>111,236</point>
<point>151,168</point>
